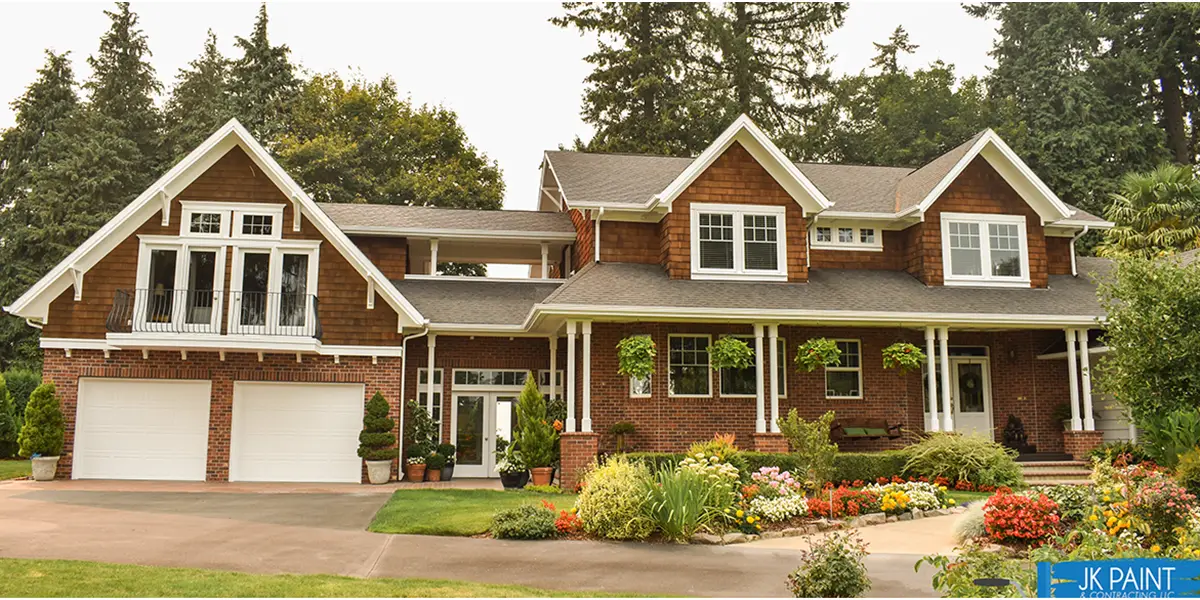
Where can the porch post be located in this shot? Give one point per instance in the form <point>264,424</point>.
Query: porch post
<point>432,337</point>
<point>554,389</point>
<point>1089,419</point>
<point>545,260</point>
<point>931,378</point>
<point>947,412</point>
<point>773,351</point>
<point>570,425</point>
<point>760,419</point>
<point>1073,378</point>
<point>587,377</point>
<point>433,258</point>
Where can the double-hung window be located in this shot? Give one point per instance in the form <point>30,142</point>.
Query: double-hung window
<point>738,241</point>
<point>845,380</point>
<point>423,396</point>
<point>689,373</point>
<point>744,382</point>
<point>979,249</point>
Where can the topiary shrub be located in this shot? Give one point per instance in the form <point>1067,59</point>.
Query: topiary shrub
<point>810,440</point>
<point>42,432</point>
<point>833,567</point>
<point>972,458</point>
<point>535,436</point>
<point>377,440</point>
<point>612,503</point>
<point>525,522</point>
<point>9,427</point>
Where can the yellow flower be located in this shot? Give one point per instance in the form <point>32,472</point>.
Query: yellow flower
<point>758,526</point>
<point>951,502</point>
<point>1155,548</point>
<point>1107,499</point>
<point>942,487</point>
<point>740,514</point>
<point>1108,513</point>
<point>728,510</point>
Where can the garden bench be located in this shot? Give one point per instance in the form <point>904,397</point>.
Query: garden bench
<point>865,429</point>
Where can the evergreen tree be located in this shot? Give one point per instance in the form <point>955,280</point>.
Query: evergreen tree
<point>42,432</point>
<point>264,83</point>
<point>639,97</point>
<point>535,436</point>
<point>377,441</point>
<point>200,102</point>
<point>888,53</point>
<point>9,424</point>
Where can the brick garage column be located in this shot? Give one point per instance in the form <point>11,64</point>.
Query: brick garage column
<point>1079,443</point>
<point>579,450</point>
<point>770,442</point>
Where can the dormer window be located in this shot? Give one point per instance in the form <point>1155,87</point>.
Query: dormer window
<point>734,241</point>
<point>986,250</point>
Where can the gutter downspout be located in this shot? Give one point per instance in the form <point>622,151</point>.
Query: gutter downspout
<point>1074,269</point>
<point>403,403</point>
<point>596,234</point>
<point>31,323</point>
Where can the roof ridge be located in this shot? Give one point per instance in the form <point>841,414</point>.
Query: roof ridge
<point>444,208</point>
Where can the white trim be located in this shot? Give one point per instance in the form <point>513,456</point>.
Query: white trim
<point>839,369</point>
<point>1088,224</point>
<point>183,249</point>
<point>35,302</point>
<point>391,351</point>
<point>458,234</point>
<point>986,279</point>
<point>738,212</point>
<point>562,194</point>
<point>275,211</point>
<point>477,279</point>
<point>834,243</point>
<point>1098,350</point>
<point>707,365</point>
<point>76,344</point>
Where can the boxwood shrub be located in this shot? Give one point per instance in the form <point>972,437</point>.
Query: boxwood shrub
<point>849,466</point>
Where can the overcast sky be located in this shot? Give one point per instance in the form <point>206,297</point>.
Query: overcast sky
<point>514,79</point>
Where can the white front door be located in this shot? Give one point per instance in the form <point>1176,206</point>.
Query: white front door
<point>480,421</point>
<point>971,387</point>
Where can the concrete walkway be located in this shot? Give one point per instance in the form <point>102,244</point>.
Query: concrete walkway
<point>269,529</point>
<point>918,538</point>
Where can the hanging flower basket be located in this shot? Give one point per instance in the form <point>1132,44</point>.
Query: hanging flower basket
<point>635,356</point>
<point>904,356</point>
<point>817,352</point>
<point>730,353</point>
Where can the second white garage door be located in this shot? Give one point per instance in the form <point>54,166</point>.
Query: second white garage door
<point>301,432</point>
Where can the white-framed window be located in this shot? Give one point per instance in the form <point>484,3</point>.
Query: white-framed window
<point>489,378</point>
<point>847,236</point>
<point>272,289</point>
<point>741,382</point>
<point>640,387</point>
<point>180,287</point>
<point>845,380</point>
<point>736,241</point>
<point>544,385</point>
<point>980,249</point>
<point>258,224</point>
<point>231,219</point>
<point>689,374</point>
<point>781,364</point>
<point>423,396</point>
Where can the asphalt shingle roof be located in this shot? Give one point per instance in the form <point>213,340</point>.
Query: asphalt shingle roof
<point>475,301</point>
<point>349,216</point>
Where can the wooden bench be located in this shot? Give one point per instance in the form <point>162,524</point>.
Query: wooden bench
<point>864,429</point>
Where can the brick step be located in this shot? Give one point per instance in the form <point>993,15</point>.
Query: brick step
<point>1060,474</point>
<point>1053,482</point>
<point>1056,463</point>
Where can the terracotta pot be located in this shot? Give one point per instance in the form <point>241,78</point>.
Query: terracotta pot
<point>433,475</point>
<point>543,475</point>
<point>414,473</point>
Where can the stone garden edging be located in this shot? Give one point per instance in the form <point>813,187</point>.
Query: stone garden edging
<point>820,525</point>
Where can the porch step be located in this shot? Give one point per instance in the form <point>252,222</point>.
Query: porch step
<point>1054,482</point>
<point>1057,472</point>
<point>1060,474</point>
<point>1061,465</point>
<point>1041,457</point>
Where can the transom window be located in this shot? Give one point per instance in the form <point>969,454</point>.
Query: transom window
<point>205,223</point>
<point>490,377</point>
<point>257,225</point>
<point>845,380</point>
<point>738,241</point>
<point>231,219</point>
<point>846,237</point>
<point>984,249</point>
<point>689,373</point>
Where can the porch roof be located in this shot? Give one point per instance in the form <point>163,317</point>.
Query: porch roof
<point>475,300</point>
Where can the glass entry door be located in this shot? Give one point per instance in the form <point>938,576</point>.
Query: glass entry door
<point>483,422</point>
<point>971,386</point>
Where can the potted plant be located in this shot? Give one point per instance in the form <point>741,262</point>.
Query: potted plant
<point>41,437</point>
<point>730,353</point>
<point>414,469</point>
<point>904,356</point>
<point>817,352</point>
<point>450,452</point>
<point>635,356</point>
<point>377,442</point>
<point>433,466</point>
<point>535,436</point>
<point>513,472</point>
<point>419,433</point>
<point>619,431</point>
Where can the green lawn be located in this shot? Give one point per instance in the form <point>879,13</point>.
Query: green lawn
<point>965,497</point>
<point>452,512</point>
<point>68,578</point>
<point>12,469</point>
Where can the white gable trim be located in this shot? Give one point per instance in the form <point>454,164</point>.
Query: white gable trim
<point>744,131</point>
<point>35,302</point>
<point>1014,170</point>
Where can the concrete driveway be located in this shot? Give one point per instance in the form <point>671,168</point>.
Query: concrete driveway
<point>277,529</point>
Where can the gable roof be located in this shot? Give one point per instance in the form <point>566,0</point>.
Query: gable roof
<point>475,300</point>
<point>35,302</point>
<point>391,219</point>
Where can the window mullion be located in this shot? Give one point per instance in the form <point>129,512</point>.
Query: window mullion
<point>739,243</point>
<point>985,250</point>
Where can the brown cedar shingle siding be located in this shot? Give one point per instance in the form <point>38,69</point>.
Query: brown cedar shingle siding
<point>734,178</point>
<point>891,259</point>
<point>624,241</point>
<point>342,292</point>
<point>390,254</point>
<point>1058,255</point>
<point>584,251</point>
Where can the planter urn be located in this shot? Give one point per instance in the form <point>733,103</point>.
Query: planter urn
<point>543,475</point>
<point>379,471</point>
<point>433,474</point>
<point>448,472</point>
<point>44,467</point>
<point>414,473</point>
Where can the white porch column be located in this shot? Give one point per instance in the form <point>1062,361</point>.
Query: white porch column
<point>773,351</point>
<point>1085,369</point>
<point>554,390</point>
<point>570,425</point>
<point>760,419</point>
<point>931,378</point>
<point>587,377</point>
<point>545,260</point>
<point>947,412</point>
<point>1073,378</point>
<point>433,261</point>
<point>429,373</point>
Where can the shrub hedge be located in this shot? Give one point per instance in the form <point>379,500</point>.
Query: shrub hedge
<point>849,466</point>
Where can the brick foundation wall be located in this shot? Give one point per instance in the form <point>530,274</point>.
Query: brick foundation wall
<point>128,364</point>
<point>769,442</point>
<point>1079,443</point>
<point>579,450</point>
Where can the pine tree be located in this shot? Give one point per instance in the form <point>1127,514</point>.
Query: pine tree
<point>200,103</point>
<point>264,83</point>
<point>8,423</point>
<point>888,53</point>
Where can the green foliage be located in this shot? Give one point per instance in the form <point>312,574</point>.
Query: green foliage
<point>543,489</point>
<point>1155,213</point>
<point>728,352</point>
<point>1074,502</point>
<point>973,458</point>
<point>535,435</point>
<point>1129,452</point>
<point>420,432</point>
<point>868,466</point>
<point>622,428</point>
<point>832,567</point>
<point>810,440</point>
<point>525,522</point>
<point>435,461</point>
<point>847,466</point>
<point>21,383</point>
<point>612,502</point>
<point>449,451</point>
<point>721,446</point>
<point>970,525</point>
<point>263,82</point>
<point>1187,472</point>
<point>635,356</point>
<point>904,356</point>
<point>201,101</point>
<point>817,352</point>
<point>8,423</point>
<point>123,87</point>
<point>955,577</point>
<point>682,502</point>
<point>377,440</point>
<point>1171,435</point>
<point>42,433</point>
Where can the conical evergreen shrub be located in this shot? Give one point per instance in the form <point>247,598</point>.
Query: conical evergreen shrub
<point>42,433</point>
<point>535,435</point>
<point>377,440</point>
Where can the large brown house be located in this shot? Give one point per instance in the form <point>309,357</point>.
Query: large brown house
<point>224,326</point>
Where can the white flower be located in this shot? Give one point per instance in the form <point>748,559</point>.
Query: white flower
<point>773,510</point>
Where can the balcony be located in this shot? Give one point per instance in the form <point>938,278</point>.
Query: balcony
<point>208,314</point>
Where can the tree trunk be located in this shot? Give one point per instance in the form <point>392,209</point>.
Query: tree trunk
<point>1172,113</point>
<point>741,63</point>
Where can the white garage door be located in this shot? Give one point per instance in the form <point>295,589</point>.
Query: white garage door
<point>306,432</point>
<point>141,429</point>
